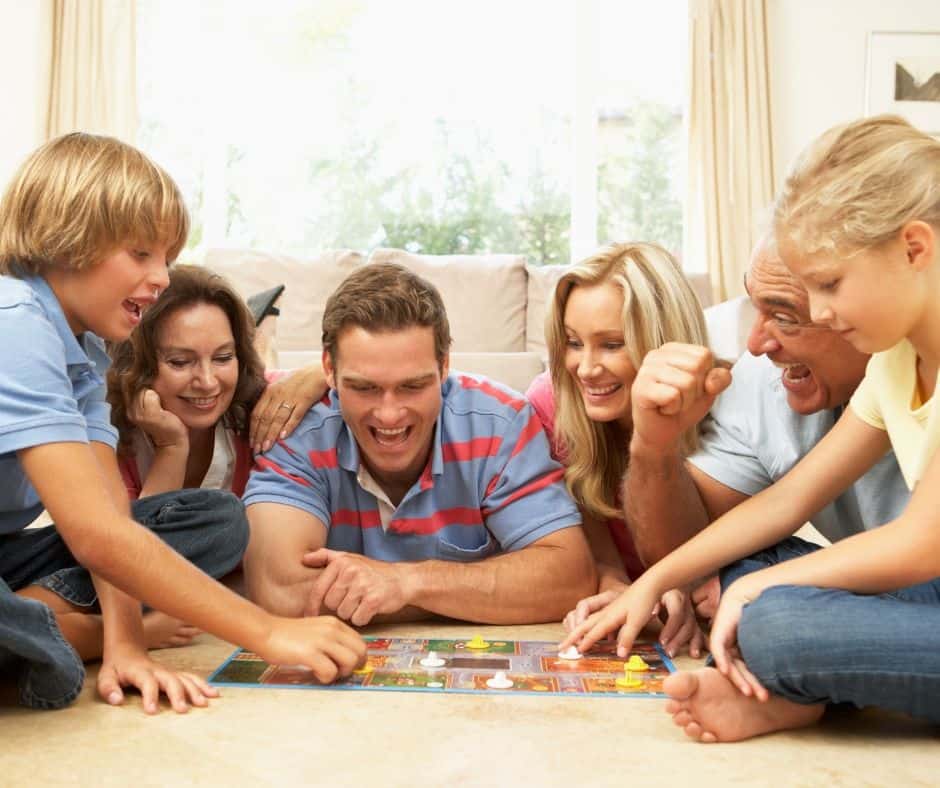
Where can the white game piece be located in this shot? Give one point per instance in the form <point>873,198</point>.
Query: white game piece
<point>570,653</point>
<point>499,681</point>
<point>434,684</point>
<point>432,661</point>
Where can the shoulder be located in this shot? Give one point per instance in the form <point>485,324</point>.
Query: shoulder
<point>541,389</point>
<point>320,425</point>
<point>901,358</point>
<point>755,389</point>
<point>19,300</point>
<point>464,394</point>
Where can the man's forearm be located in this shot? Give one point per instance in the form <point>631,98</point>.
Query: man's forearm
<point>662,505</point>
<point>536,584</point>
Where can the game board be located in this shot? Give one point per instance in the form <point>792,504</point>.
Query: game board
<point>533,666</point>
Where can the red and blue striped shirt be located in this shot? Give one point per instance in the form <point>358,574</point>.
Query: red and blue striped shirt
<point>490,484</point>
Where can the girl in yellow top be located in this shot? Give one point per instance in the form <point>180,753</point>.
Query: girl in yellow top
<point>858,221</point>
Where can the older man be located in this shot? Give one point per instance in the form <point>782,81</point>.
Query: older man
<point>410,490</point>
<point>785,395</point>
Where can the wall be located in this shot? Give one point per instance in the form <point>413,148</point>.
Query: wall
<point>20,65</point>
<point>818,51</point>
<point>818,55</point>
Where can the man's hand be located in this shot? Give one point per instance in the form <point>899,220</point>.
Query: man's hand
<point>674,388</point>
<point>164,428</point>
<point>356,588</point>
<point>128,665</point>
<point>323,644</point>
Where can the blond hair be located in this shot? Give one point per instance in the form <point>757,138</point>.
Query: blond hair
<point>659,306</point>
<point>80,196</point>
<point>857,185</point>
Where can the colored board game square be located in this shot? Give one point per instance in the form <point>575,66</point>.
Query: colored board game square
<point>479,663</point>
<point>397,644</point>
<point>401,679</point>
<point>583,665</point>
<point>242,671</point>
<point>606,685</point>
<point>494,647</point>
<point>291,676</point>
<point>520,683</point>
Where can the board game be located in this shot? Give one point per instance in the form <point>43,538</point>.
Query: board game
<point>472,665</point>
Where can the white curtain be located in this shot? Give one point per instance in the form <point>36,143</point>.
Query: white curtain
<point>730,166</point>
<point>90,53</point>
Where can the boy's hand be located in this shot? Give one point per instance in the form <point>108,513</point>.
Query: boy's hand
<point>164,428</point>
<point>324,644</point>
<point>128,665</point>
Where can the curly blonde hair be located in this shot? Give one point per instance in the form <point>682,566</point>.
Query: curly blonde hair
<point>659,306</point>
<point>857,185</point>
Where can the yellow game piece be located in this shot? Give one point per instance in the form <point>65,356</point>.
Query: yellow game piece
<point>365,669</point>
<point>636,664</point>
<point>477,642</point>
<point>628,680</point>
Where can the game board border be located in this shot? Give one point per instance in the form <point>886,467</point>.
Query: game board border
<point>667,661</point>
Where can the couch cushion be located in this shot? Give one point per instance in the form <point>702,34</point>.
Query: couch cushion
<point>516,370</point>
<point>309,283</point>
<point>485,296</point>
<point>541,286</point>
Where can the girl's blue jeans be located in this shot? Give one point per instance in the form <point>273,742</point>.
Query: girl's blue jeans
<point>208,527</point>
<point>825,645</point>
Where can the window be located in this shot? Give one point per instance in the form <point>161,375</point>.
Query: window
<point>506,126</point>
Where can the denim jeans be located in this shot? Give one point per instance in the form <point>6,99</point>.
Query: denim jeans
<point>825,645</point>
<point>208,527</point>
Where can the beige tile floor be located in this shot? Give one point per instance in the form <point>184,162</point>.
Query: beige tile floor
<point>296,737</point>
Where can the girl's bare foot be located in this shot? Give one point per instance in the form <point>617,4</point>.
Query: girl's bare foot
<point>711,709</point>
<point>162,631</point>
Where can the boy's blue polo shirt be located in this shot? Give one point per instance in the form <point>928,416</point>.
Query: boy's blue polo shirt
<point>52,389</point>
<point>490,484</point>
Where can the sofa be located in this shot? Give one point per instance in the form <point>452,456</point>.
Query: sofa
<point>496,304</point>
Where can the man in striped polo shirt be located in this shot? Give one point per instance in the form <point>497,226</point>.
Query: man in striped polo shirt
<point>407,490</point>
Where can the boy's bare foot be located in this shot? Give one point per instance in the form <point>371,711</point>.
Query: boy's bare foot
<point>162,631</point>
<point>711,709</point>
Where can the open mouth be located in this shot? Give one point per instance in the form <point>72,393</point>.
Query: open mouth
<point>133,309</point>
<point>201,403</point>
<point>390,438</point>
<point>797,377</point>
<point>600,392</point>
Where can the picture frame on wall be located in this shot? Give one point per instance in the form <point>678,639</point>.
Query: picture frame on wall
<point>903,77</point>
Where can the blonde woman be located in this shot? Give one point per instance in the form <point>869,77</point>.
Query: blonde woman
<point>858,222</point>
<point>607,313</point>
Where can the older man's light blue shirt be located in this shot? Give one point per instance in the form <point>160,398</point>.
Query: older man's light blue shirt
<point>52,389</point>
